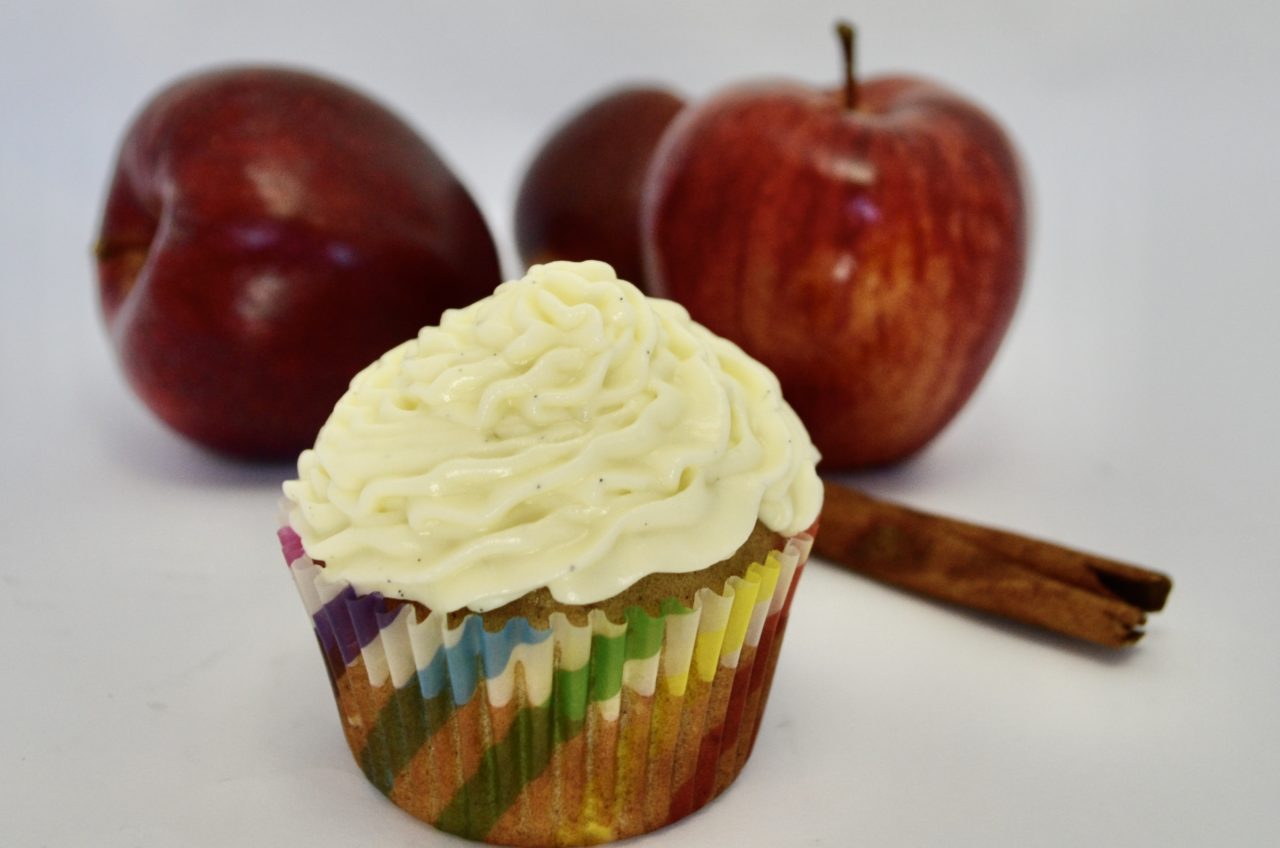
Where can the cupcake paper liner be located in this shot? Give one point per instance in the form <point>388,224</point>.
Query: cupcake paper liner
<point>563,735</point>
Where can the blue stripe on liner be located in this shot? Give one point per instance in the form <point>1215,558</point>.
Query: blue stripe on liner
<point>498,646</point>
<point>460,661</point>
<point>432,679</point>
<point>477,650</point>
<point>350,621</point>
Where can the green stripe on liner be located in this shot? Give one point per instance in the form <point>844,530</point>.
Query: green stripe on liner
<point>407,721</point>
<point>486,797</point>
<point>401,729</point>
<point>569,696</point>
<point>607,656</point>
<point>644,634</point>
<point>672,606</point>
<point>529,750</point>
<point>478,804</point>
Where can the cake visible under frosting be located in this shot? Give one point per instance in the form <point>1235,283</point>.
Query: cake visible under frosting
<point>565,432</point>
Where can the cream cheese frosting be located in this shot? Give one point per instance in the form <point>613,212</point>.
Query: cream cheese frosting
<point>565,432</point>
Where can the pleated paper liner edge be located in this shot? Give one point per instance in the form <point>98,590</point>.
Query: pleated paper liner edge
<point>565,735</point>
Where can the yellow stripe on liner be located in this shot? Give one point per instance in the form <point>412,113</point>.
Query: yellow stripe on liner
<point>769,573</point>
<point>678,647</point>
<point>706,653</point>
<point>744,601</point>
<point>715,620</point>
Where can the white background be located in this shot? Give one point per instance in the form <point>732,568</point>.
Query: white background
<point>160,681</point>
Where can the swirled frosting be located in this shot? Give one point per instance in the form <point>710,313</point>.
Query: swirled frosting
<point>565,432</point>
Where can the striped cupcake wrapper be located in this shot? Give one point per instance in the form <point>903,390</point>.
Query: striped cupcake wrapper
<point>566,735</point>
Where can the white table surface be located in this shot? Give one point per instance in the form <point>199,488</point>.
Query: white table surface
<point>161,685</point>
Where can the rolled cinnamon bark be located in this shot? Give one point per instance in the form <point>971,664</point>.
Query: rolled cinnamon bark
<point>1070,592</point>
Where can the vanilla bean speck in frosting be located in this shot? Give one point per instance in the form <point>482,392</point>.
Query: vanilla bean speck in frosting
<point>565,432</point>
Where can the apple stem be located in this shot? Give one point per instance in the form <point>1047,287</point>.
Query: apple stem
<point>848,36</point>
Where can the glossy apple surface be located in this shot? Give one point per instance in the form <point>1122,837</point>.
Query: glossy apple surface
<point>580,197</point>
<point>871,256</point>
<point>267,234</point>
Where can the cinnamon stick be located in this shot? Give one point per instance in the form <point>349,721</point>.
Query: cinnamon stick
<point>1070,592</point>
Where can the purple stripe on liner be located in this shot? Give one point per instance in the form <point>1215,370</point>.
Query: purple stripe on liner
<point>291,544</point>
<point>349,622</point>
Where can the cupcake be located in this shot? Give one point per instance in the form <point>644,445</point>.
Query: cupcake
<point>549,548</point>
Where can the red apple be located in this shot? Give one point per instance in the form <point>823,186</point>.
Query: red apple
<point>267,234</point>
<point>866,244</point>
<point>580,198</point>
